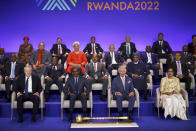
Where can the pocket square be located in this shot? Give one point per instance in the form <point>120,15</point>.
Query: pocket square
<point>129,81</point>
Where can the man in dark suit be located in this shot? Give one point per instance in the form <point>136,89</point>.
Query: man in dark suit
<point>12,70</point>
<point>192,48</point>
<point>60,51</point>
<point>92,49</point>
<point>3,60</point>
<point>112,60</point>
<point>181,71</point>
<point>28,88</point>
<point>188,58</point>
<point>96,73</point>
<point>54,74</point>
<point>161,47</point>
<point>127,49</point>
<point>77,89</point>
<point>138,72</point>
<point>152,62</point>
<point>123,89</point>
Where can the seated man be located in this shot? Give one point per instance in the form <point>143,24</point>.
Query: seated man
<point>123,89</point>
<point>3,60</point>
<point>60,51</point>
<point>76,59</point>
<point>112,60</point>
<point>181,71</point>
<point>127,49</point>
<point>138,72</point>
<point>54,74</point>
<point>188,58</point>
<point>12,70</point>
<point>77,89</point>
<point>39,59</point>
<point>92,49</point>
<point>161,47</point>
<point>152,62</point>
<point>28,88</point>
<point>97,73</point>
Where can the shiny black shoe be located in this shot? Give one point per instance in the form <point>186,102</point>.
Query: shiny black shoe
<point>129,113</point>
<point>84,113</point>
<point>33,118</point>
<point>70,117</point>
<point>20,120</point>
<point>103,98</point>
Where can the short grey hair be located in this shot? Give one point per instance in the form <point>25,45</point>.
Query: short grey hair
<point>122,67</point>
<point>28,67</point>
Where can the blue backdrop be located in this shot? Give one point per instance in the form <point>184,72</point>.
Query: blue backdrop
<point>45,20</point>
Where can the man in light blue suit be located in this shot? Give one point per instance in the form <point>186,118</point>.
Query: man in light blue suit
<point>123,89</point>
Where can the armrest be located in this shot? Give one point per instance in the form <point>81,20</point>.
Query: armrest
<point>149,77</point>
<point>66,77</point>
<point>158,94</point>
<point>192,81</point>
<point>137,97</point>
<point>62,99</point>
<point>43,81</point>
<point>42,99</point>
<point>1,79</point>
<point>185,96</point>
<point>13,98</point>
<point>109,97</point>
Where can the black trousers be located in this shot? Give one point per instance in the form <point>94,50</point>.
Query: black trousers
<point>113,67</point>
<point>49,83</point>
<point>78,97</point>
<point>33,98</point>
<point>8,84</point>
<point>187,81</point>
<point>62,58</point>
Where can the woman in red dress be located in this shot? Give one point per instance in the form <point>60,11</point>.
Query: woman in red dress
<point>76,59</point>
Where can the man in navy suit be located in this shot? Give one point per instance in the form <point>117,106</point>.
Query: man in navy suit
<point>3,60</point>
<point>127,48</point>
<point>12,70</point>
<point>112,60</point>
<point>152,62</point>
<point>138,72</point>
<point>77,89</point>
<point>93,49</point>
<point>54,74</point>
<point>161,47</point>
<point>123,89</point>
<point>60,51</point>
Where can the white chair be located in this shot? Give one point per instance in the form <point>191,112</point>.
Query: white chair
<point>149,83</point>
<point>184,95</point>
<point>2,85</point>
<point>112,102</point>
<point>27,104</point>
<point>99,86</point>
<point>192,83</point>
<point>160,70</point>
<point>78,104</point>
<point>114,72</point>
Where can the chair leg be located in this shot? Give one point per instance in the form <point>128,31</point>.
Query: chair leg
<point>187,113</point>
<point>61,113</point>
<point>42,113</point>
<point>138,112</point>
<point>91,112</point>
<point>158,113</point>
<point>109,112</point>
<point>12,114</point>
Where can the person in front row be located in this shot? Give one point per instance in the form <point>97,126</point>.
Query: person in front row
<point>76,58</point>
<point>54,74</point>
<point>76,88</point>
<point>97,73</point>
<point>171,99</point>
<point>123,89</point>
<point>28,88</point>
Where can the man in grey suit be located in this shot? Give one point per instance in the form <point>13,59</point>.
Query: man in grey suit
<point>39,59</point>
<point>123,89</point>
<point>97,73</point>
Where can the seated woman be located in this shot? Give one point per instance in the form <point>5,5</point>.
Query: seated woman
<point>171,99</point>
<point>76,59</point>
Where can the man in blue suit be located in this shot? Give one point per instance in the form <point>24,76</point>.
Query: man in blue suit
<point>123,89</point>
<point>77,89</point>
<point>152,62</point>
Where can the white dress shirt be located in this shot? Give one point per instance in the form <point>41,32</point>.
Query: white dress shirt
<point>30,90</point>
<point>12,64</point>
<point>161,43</point>
<point>128,46</point>
<point>179,68</point>
<point>95,66</point>
<point>93,49</point>
<point>149,57</point>
<point>59,46</point>
<point>123,81</point>
<point>112,54</point>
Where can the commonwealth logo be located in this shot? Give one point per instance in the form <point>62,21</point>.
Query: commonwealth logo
<point>56,4</point>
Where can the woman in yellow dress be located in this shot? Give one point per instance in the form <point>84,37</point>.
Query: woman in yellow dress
<point>171,99</point>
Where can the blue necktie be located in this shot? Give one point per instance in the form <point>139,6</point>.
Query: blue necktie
<point>26,87</point>
<point>12,76</point>
<point>76,84</point>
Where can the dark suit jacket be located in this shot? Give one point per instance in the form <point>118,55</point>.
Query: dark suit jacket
<point>117,86</point>
<point>88,48</point>
<point>70,86</point>
<point>58,73</point>
<point>184,68</point>
<point>154,57</point>
<point>191,48</point>
<point>141,69</point>
<point>36,84</point>
<point>19,69</point>
<point>3,61</point>
<point>122,49</point>
<point>101,70</point>
<point>187,58</point>
<point>108,59</point>
<point>63,47</point>
<point>157,49</point>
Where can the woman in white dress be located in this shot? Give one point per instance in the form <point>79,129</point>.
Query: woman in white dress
<point>171,99</point>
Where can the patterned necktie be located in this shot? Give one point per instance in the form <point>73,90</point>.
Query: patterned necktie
<point>26,87</point>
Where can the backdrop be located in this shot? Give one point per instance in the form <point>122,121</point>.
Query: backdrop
<point>108,20</point>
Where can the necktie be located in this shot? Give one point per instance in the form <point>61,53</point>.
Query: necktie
<point>53,68</point>
<point>178,66</point>
<point>26,87</point>
<point>12,76</point>
<point>127,50</point>
<point>76,84</point>
<point>59,51</point>
<point>93,50</point>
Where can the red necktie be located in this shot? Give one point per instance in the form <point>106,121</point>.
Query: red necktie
<point>59,52</point>
<point>93,50</point>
